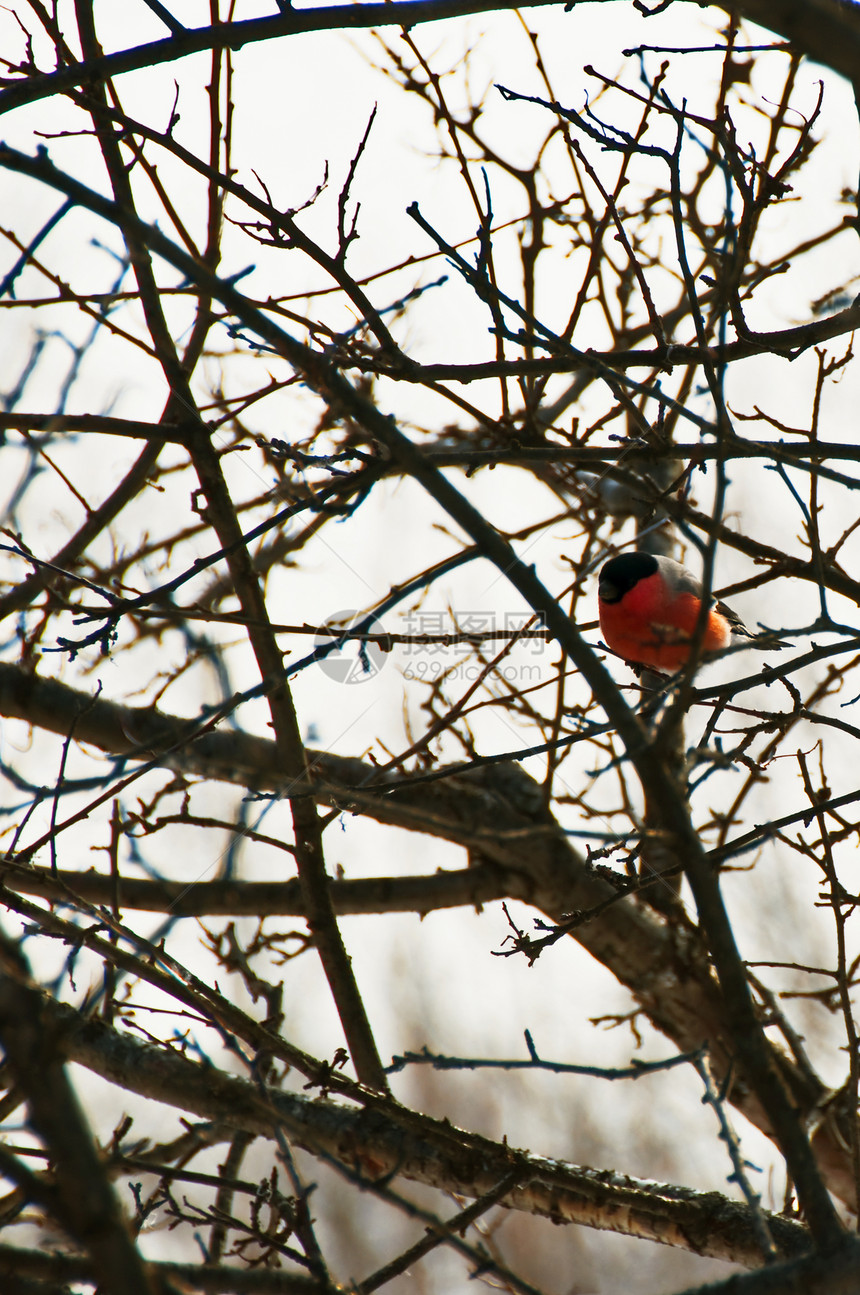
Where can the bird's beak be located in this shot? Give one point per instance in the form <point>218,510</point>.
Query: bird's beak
<point>607,591</point>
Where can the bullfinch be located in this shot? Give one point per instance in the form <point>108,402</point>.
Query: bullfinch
<point>649,607</point>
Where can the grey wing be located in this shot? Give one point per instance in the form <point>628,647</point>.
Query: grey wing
<point>679,578</point>
<point>683,581</point>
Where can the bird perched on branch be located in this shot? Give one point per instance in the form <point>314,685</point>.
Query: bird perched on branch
<point>649,608</point>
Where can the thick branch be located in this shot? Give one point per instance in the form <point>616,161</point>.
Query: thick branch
<point>85,1201</point>
<point>495,811</point>
<point>372,1146</point>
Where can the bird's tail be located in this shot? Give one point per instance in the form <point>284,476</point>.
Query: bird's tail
<point>761,642</point>
<point>745,638</point>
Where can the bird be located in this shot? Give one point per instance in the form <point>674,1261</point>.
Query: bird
<point>649,608</point>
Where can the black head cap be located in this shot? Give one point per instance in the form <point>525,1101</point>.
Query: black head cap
<point>619,575</point>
